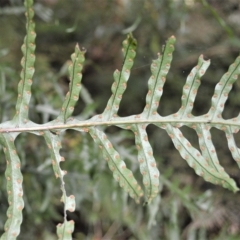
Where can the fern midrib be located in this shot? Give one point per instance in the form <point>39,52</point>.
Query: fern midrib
<point>86,124</point>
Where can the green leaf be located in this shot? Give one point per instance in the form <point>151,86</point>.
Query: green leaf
<point>65,230</point>
<point>204,162</point>
<point>75,71</point>
<point>14,188</point>
<point>120,172</point>
<point>27,62</point>
<point>222,90</point>
<point>207,148</point>
<point>235,151</point>
<point>159,69</point>
<point>198,162</point>
<point>191,87</point>
<point>121,77</point>
<point>54,144</point>
<point>148,166</point>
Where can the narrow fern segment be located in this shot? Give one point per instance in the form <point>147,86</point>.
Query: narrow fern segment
<point>120,78</point>
<point>235,151</point>
<point>75,72</point>
<point>159,69</point>
<point>207,148</point>
<point>14,188</point>
<point>222,90</point>
<point>120,172</point>
<point>54,144</point>
<point>197,161</point>
<point>148,166</point>
<point>191,87</point>
<point>65,230</point>
<point>27,62</point>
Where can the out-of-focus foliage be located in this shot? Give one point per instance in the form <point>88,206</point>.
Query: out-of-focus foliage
<point>189,208</point>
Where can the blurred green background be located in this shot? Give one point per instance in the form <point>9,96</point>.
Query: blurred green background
<point>188,208</point>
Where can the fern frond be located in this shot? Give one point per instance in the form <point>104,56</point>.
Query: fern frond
<point>27,62</point>
<point>120,78</point>
<point>54,144</point>
<point>222,90</point>
<point>235,151</point>
<point>207,148</point>
<point>191,87</point>
<point>75,71</point>
<point>196,160</point>
<point>159,69</point>
<point>14,187</point>
<point>64,231</point>
<point>204,162</point>
<point>120,172</point>
<point>148,166</point>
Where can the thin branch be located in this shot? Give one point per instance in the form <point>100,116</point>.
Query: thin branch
<point>86,124</point>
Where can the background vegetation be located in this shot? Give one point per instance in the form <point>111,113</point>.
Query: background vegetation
<point>188,208</point>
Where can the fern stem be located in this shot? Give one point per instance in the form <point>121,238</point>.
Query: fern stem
<point>120,121</point>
